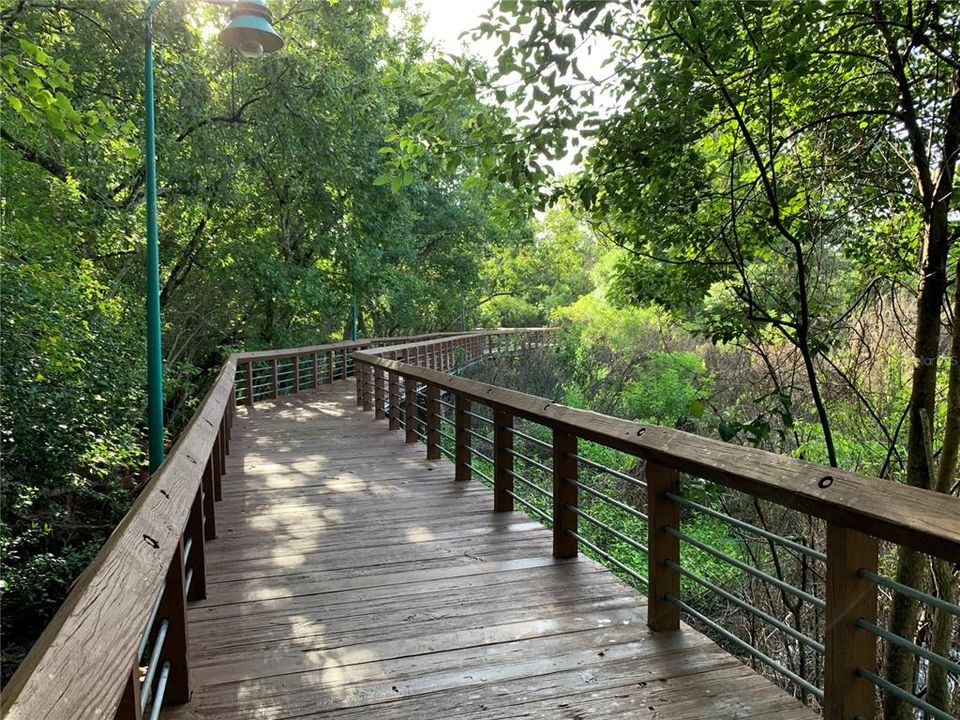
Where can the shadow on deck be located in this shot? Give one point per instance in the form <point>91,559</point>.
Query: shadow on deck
<point>353,578</point>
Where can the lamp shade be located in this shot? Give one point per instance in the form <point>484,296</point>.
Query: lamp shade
<point>250,30</point>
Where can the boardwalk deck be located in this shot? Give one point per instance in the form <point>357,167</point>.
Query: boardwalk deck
<point>353,578</point>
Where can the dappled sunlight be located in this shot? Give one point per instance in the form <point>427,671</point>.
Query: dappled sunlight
<point>419,534</point>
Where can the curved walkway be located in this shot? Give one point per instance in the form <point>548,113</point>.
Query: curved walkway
<point>352,578</point>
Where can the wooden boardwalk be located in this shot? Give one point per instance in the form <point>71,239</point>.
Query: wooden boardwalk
<point>352,578</point>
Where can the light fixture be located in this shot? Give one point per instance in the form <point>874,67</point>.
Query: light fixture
<point>250,31</point>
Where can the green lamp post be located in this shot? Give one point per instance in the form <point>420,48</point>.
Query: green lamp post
<point>250,32</point>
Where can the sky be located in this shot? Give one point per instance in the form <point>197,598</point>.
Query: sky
<point>447,20</point>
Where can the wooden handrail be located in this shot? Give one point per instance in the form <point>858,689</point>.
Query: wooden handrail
<point>858,510</point>
<point>85,657</point>
<point>85,662</point>
<point>909,516</point>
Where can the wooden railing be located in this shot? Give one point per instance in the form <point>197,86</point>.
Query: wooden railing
<point>127,610</point>
<point>407,383</point>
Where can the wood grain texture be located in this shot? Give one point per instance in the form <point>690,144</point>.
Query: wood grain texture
<point>379,587</point>
<point>80,665</point>
<point>920,519</point>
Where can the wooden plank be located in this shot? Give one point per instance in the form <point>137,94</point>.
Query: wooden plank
<point>173,609</point>
<point>848,647</point>
<point>916,518</point>
<point>662,546</point>
<point>325,603</point>
<point>565,469</point>
<point>85,650</point>
<point>462,469</point>
<point>502,461</point>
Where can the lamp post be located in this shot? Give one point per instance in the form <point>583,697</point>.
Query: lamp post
<point>250,32</point>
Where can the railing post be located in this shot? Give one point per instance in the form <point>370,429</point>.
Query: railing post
<point>367,387</point>
<point>502,461</point>
<point>197,559</point>
<point>217,463</point>
<point>296,373</point>
<point>129,707</point>
<point>394,395</point>
<point>359,385</point>
<point>848,598</point>
<point>410,407</point>
<point>250,382</point>
<point>209,506</point>
<point>315,371</point>
<point>273,370</point>
<point>379,391</point>
<point>329,366</point>
<point>564,494</point>
<point>343,369</point>
<point>662,579</point>
<point>462,454</point>
<point>433,422</point>
<point>173,608</point>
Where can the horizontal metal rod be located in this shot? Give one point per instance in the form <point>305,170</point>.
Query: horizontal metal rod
<point>610,558</point>
<point>479,417</point>
<point>154,662</point>
<point>447,404</point>
<point>895,639</point>
<point>529,460</point>
<point>902,694</point>
<point>529,506</point>
<point>448,453</point>
<point>759,574</point>
<point>419,434</point>
<point>533,486</point>
<point>446,435</point>
<point>188,580</point>
<point>474,451</point>
<point>744,605</point>
<point>608,470</point>
<point>606,498</point>
<point>793,545</point>
<point>146,633</point>
<point>531,438</point>
<point>478,471</point>
<point>187,547</point>
<point>445,419</point>
<point>479,436</point>
<point>600,524</point>
<point>748,648</point>
<point>910,592</point>
<point>161,691</point>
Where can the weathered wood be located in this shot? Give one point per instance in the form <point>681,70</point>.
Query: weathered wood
<point>296,373</point>
<point>503,461</point>
<point>249,374</point>
<point>848,647</point>
<point>909,516</point>
<point>173,609</point>
<point>410,408</point>
<point>209,504</point>
<point>314,370</point>
<point>379,392</point>
<point>462,451</point>
<point>662,546</point>
<point>343,364</point>
<point>394,399</point>
<point>389,615</point>
<point>197,557</point>
<point>274,384</point>
<point>129,706</point>
<point>330,358</point>
<point>433,422</point>
<point>218,469</point>
<point>564,494</point>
